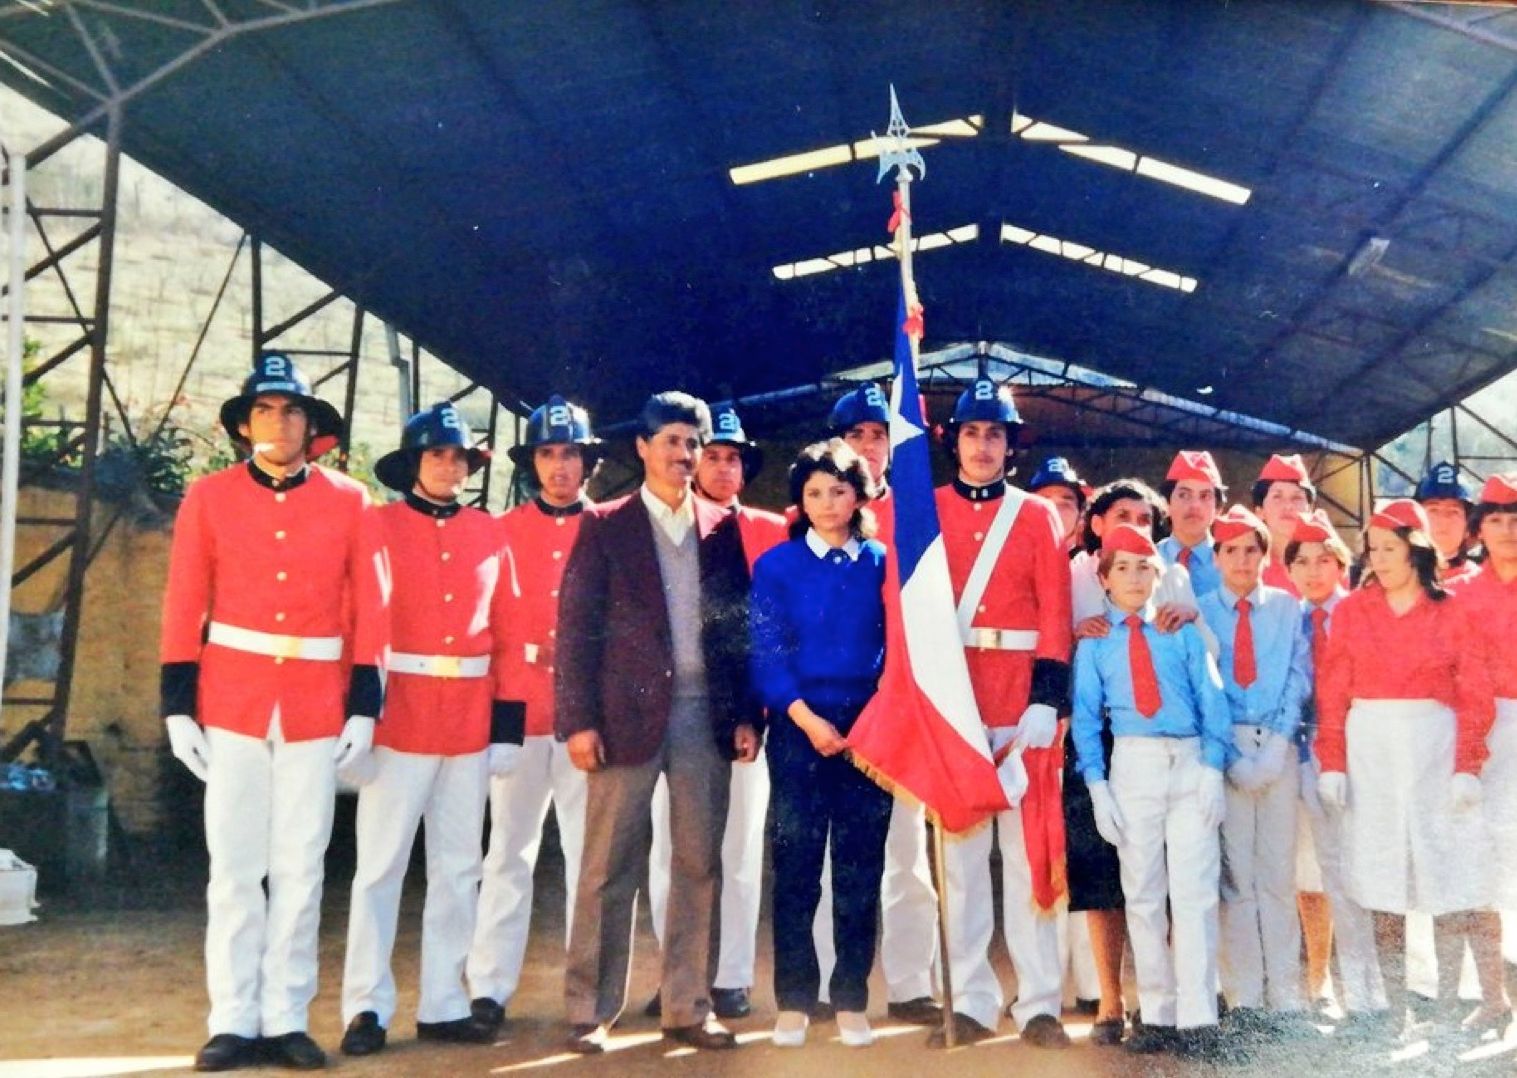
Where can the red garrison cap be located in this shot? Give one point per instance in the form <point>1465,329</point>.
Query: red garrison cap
<point>1289,469</point>
<point>1400,513</point>
<point>1129,540</point>
<point>1235,522</point>
<point>1500,489</point>
<point>1194,464</point>
<point>1313,527</point>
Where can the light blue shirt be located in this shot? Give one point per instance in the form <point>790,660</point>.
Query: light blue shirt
<point>1204,576</point>
<point>1191,700</point>
<point>1308,732</point>
<point>1282,657</point>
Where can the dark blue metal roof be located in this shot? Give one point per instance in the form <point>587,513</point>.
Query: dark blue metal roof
<point>540,194</point>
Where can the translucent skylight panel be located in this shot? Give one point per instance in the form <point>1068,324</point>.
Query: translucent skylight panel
<point>1073,142</point>
<point>859,256</point>
<point>844,152</point>
<point>1079,252</point>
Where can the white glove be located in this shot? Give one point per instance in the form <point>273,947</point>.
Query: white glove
<point>501,759</point>
<point>1038,726</point>
<point>1269,762</point>
<point>1211,801</point>
<point>1244,774</point>
<point>1013,775</point>
<point>353,747</point>
<point>188,744</point>
<point>1108,817</point>
<point>1309,799</point>
<point>1467,792</point>
<point>1332,790</point>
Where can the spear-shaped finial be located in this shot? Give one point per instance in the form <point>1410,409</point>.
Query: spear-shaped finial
<point>895,150</point>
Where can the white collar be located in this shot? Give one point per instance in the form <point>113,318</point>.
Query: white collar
<point>677,522</point>
<point>821,548</point>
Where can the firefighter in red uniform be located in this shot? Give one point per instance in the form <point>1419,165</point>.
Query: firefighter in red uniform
<point>1010,579</point>
<point>730,461</point>
<point>446,729</point>
<point>274,627</point>
<point>557,457</point>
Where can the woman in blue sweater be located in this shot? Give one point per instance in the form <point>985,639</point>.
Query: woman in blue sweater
<point>817,622</point>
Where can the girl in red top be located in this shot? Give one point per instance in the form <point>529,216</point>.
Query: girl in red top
<point>1404,705</point>
<point>1490,592</point>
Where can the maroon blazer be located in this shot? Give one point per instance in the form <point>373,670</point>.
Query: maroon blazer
<point>615,652</point>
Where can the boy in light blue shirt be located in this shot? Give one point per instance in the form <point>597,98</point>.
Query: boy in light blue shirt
<point>1163,801</point>
<point>1266,670</point>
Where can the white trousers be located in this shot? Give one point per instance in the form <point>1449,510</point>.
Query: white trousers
<point>1032,936</point>
<point>1170,869</point>
<point>447,795</point>
<point>1077,957</point>
<point>1360,988</point>
<point>742,870</point>
<point>518,806</point>
<point>1261,927</point>
<point>268,814</point>
<point>908,914</point>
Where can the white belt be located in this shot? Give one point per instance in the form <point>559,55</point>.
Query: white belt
<point>402,662</point>
<point>1001,639</point>
<point>327,649</point>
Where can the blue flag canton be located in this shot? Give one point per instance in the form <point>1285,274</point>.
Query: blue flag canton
<point>916,512</point>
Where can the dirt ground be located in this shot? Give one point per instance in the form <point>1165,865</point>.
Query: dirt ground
<point>112,983</point>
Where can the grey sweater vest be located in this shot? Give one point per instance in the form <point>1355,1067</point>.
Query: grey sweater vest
<point>680,568</point>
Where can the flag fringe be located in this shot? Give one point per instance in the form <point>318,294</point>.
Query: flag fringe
<point>896,790</point>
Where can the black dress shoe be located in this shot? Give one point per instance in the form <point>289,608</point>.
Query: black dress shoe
<point>586,1039</point>
<point>1147,1040</point>
<point>1089,1007</point>
<point>487,1012</point>
<point>922,1011</point>
<point>654,1008</point>
<point>965,1031</point>
<point>824,1011</point>
<point>710,1035</point>
<point>1209,1044</point>
<point>1107,1032</point>
<point>294,1050</point>
<point>457,1031</point>
<point>226,1051</point>
<point>365,1035</point>
<point>1045,1031</point>
<point>730,1003</point>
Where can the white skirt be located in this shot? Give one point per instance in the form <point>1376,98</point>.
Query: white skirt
<point>1404,847</point>
<point>1499,780</point>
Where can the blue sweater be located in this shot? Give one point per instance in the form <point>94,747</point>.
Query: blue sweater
<point>817,626</point>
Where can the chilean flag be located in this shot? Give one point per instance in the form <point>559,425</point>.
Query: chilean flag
<point>921,734</point>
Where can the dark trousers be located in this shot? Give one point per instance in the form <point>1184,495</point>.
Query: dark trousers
<point>810,794</point>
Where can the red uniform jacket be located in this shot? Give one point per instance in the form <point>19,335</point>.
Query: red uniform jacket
<point>305,561</point>
<point>453,589</point>
<point>615,655</point>
<point>1028,589</point>
<point>1432,651</point>
<point>760,530</point>
<point>540,543</point>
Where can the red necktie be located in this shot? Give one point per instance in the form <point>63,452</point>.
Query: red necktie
<point>1244,670</point>
<point>1185,553</point>
<point>1145,684</point>
<point>1319,636</point>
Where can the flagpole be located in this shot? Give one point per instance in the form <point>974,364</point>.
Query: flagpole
<point>896,152</point>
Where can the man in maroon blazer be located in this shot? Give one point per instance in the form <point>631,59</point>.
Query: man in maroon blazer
<point>652,679</point>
